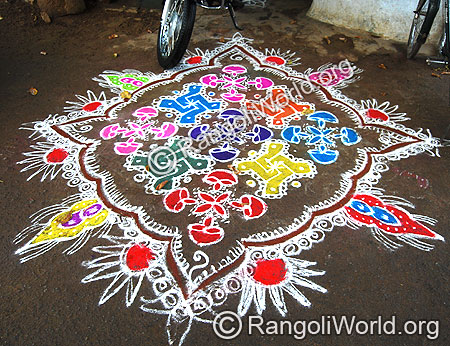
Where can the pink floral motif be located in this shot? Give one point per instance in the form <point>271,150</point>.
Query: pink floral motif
<point>234,70</point>
<point>233,96</point>
<point>262,83</point>
<point>130,146</point>
<point>331,76</point>
<point>144,113</point>
<point>211,80</point>
<point>110,131</point>
<point>165,131</point>
<point>234,83</point>
<point>136,129</point>
<point>126,148</point>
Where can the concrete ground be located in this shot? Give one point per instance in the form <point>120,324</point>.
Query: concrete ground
<point>43,301</point>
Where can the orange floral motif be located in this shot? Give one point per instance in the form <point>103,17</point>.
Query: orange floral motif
<point>279,107</point>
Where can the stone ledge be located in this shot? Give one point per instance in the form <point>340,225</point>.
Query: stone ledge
<point>389,18</point>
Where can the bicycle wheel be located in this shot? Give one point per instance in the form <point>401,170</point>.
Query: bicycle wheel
<point>177,22</point>
<point>421,25</point>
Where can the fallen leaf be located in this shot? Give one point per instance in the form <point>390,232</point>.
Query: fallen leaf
<point>357,36</point>
<point>110,37</point>
<point>43,52</point>
<point>382,66</point>
<point>160,186</point>
<point>33,91</point>
<point>292,22</point>
<point>149,31</point>
<point>343,39</point>
<point>436,75</point>
<point>383,93</point>
<point>234,169</point>
<point>115,55</point>
<point>114,9</point>
<point>222,39</point>
<point>64,217</point>
<point>125,95</point>
<point>307,111</point>
<point>1,18</point>
<point>327,39</point>
<point>45,17</point>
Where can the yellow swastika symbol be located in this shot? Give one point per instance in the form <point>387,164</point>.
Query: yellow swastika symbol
<point>274,167</point>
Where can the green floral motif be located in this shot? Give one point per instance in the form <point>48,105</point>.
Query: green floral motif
<point>128,82</point>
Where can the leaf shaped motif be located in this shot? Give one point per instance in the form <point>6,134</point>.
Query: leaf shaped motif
<point>70,223</point>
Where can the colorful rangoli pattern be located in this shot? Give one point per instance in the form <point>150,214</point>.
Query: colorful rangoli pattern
<point>221,150</point>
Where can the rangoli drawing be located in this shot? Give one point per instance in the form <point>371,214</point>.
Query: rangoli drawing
<point>192,185</point>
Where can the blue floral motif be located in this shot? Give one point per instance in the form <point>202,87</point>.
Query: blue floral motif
<point>321,137</point>
<point>259,134</point>
<point>229,131</point>
<point>225,153</point>
<point>323,155</point>
<point>294,134</point>
<point>348,136</point>
<point>323,117</point>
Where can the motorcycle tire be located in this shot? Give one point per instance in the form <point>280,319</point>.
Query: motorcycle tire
<point>177,22</point>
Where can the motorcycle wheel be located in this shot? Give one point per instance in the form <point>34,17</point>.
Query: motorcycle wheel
<point>177,22</point>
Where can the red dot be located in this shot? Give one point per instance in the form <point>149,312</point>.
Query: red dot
<point>275,60</point>
<point>57,155</point>
<point>377,114</point>
<point>90,107</point>
<point>194,60</point>
<point>138,257</point>
<point>270,272</point>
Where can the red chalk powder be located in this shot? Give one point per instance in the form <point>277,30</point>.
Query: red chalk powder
<point>56,156</point>
<point>90,107</point>
<point>139,257</point>
<point>270,272</point>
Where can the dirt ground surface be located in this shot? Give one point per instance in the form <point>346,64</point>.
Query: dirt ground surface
<point>43,301</point>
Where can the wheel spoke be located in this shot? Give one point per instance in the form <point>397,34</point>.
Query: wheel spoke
<point>416,29</point>
<point>171,26</point>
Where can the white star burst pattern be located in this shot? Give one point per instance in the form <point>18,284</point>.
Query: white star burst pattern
<point>128,262</point>
<point>47,159</point>
<point>274,277</point>
<point>87,105</point>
